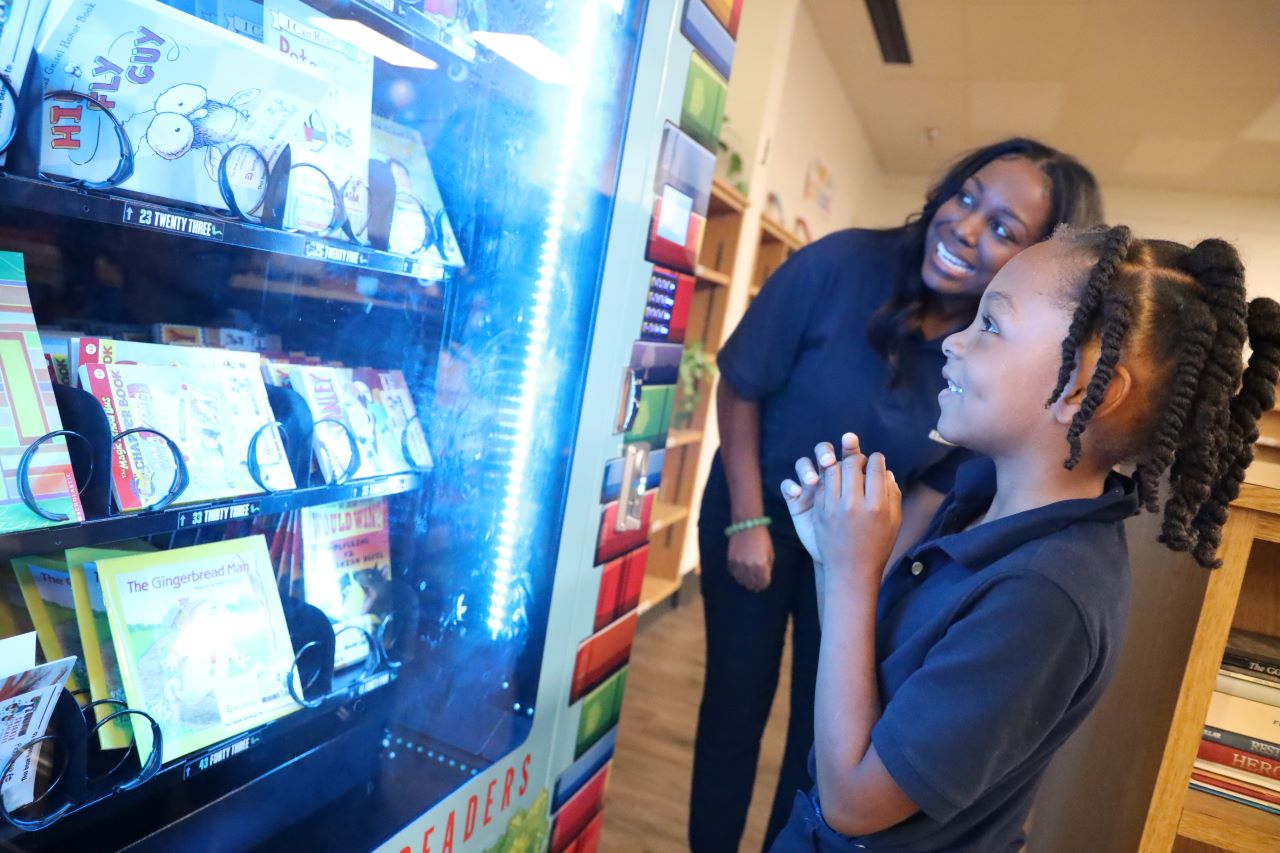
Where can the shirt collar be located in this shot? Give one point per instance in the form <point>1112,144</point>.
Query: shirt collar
<point>978,547</point>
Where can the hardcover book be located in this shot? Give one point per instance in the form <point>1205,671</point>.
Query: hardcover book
<point>201,640</point>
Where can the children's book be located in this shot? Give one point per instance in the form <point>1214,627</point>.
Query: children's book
<point>20,22</point>
<point>346,569</point>
<point>15,618</point>
<point>86,350</point>
<point>408,437</point>
<point>95,637</point>
<point>238,16</point>
<point>46,588</point>
<point>28,411</point>
<point>211,413</point>
<point>201,641</point>
<point>402,148</point>
<point>335,135</point>
<point>179,335</point>
<point>185,93</point>
<point>325,390</point>
<point>27,699</point>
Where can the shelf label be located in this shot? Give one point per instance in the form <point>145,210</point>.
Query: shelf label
<point>173,223</point>
<point>216,757</point>
<point>373,683</point>
<point>218,514</point>
<point>321,251</point>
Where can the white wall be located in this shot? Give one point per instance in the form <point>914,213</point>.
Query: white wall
<point>816,121</point>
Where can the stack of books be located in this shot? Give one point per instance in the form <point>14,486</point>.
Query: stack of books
<point>1239,754</point>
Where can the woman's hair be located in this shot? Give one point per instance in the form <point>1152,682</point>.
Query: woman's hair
<point>1074,199</point>
<point>1181,315</point>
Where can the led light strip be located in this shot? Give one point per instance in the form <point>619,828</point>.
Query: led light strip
<point>514,516</point>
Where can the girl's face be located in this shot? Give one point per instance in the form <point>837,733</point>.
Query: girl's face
<point>1000,210</point>
<point>1002,367</point>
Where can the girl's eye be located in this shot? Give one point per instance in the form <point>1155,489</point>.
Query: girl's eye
<point>966,200</point>
<point>1002,231</point>
<point>989,325</point>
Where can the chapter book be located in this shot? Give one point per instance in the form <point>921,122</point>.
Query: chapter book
<point>46,589</point>
<point>27,699</point>
<point>88,350</point>
<point>211,413</point>
<point>335,135</point>
<point>28,411</point>
<point>408,438</point>
<point>403,150</point>
<point>201,641</point>
<point>184,93</point>
<point>95,637</point>
<point>346,568</point>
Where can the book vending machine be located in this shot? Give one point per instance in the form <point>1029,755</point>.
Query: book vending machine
<point>313,318</point>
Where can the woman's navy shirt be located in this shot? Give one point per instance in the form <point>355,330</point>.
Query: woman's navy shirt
<point>992,646</point>
<point>801,351</point>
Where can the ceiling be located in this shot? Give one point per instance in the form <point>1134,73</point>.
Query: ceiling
<point>1181,94</point>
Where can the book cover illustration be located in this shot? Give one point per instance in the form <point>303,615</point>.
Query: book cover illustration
<point>328,397</point>
<point>46,589</point>
<point>87,350</point>
<point>346,569</point>
<point>201,641</point>
<point>211,413</point>
<point>395,418</point>
<point>20,23</point>
<point>402,148</point>
<point>335,135</point>
<point>238,16</point>
<point>95,637</point>
<point>28,411</point>
<point>185,91</point>
<point>27,699</point>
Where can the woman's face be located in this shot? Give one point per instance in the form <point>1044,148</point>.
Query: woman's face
<point>1000,210</point>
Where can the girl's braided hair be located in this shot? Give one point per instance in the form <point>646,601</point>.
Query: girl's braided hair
<point>1182,312</point>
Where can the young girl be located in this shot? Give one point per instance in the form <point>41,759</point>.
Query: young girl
<point>945,689</point>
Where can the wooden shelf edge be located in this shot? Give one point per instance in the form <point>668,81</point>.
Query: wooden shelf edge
<point>654,591</point>
<point>666,515</point>
<point>712,276</point>
<point>681,437</point>
<point>1228,824</point>
<point>777,232</point>
<point>725,193</point>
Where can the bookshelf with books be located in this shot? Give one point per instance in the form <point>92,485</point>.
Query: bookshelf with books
<point>687,445</point>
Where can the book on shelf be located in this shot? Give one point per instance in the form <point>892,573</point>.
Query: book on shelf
<point>403,150</point>
<point>28,695</point>
<point>185,93</point>
<point>95,637</point>
<point>210,413</point>
<point>1231,790</point>
<point>1266,673</point>
<point>1243,716</point>
<point>1254,779</point>
<point>402,441</point>
<point>1243,743</point>
<point>28,412</point>
<point>201,641</point>
<point>15,618</point>
<point>90,350</point>
<point>55,343</point>
<point>21,21</point>
<point>346,570</point>
<point>1239,760</point>
<point>1248,687</point>
<point>331,396</point>
<point>335,135</point>
<point>46,589</point>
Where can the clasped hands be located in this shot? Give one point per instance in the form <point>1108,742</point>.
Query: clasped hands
<point>847,512</point>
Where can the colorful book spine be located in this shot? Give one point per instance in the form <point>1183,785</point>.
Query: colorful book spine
<point>1263,748</point>
<point>1238,775</point>
<point>46,589</point>
<point>1246,687</point>
<point>28,412</point>
<point>1231,791</point>
<point>1243,762</point>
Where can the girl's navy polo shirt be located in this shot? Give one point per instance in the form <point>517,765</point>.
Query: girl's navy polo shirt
<point>801,351</point>
<point>992,645</point>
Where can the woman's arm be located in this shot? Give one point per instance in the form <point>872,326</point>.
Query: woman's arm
<point>751,551</point>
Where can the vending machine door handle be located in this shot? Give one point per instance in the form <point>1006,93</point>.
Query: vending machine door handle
<point>628,401</point>
<point>635,470</point>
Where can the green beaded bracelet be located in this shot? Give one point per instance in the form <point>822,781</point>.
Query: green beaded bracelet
<point>762,521</point>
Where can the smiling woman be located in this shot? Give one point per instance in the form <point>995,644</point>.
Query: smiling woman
<point>845,336</point>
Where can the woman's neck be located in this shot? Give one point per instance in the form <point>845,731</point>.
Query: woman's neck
<point>1034,481</point>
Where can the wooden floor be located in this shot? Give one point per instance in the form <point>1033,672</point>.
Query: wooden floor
<point>647,803</point>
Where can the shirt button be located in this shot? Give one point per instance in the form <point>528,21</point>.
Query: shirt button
<point>917,567</point>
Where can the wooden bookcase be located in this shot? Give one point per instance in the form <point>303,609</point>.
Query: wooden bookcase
<point>673,512</point>
<point>1244,593</point>
<point>776,245</point>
